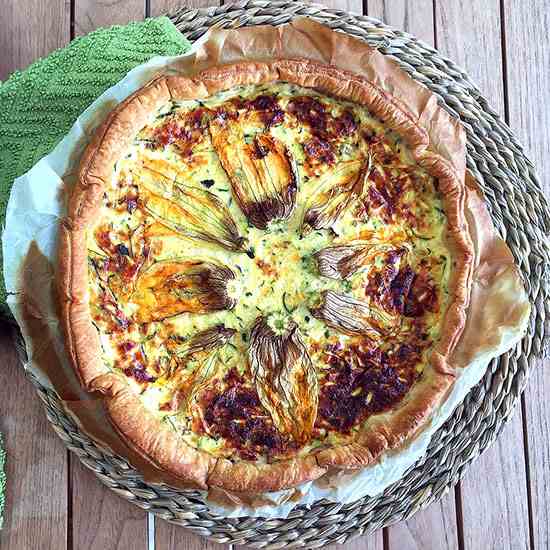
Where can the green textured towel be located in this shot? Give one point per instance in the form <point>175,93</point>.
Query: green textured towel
<point>39,105</point>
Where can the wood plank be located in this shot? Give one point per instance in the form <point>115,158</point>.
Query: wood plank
<point>494,496</point>
<point>30,29</point>
<point>35,515</point>
<point>412,16</point>
<point>91,14</point>
<point>469,33</point>
<point>436,526</point>
<point>527,51</point>
<point>101,519</point>
<point>167,535</point>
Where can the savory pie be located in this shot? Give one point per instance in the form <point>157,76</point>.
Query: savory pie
<point>265,269</point>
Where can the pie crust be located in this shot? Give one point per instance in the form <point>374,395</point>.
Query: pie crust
<point>140,428</point>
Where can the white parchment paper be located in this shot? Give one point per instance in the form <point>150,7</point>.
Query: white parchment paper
<point>34,211</point>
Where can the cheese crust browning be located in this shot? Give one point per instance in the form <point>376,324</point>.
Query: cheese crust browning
<point>264,269</point>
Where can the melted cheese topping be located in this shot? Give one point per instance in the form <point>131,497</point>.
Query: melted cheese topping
<point>178,162</point>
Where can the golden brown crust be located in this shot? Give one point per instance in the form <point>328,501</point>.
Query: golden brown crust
<point>252,477</point>
<point>81,337</point>
<point>383,432</point>
<point>155,439</point>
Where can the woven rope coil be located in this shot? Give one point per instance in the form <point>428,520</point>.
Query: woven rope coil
<point>521,215</point>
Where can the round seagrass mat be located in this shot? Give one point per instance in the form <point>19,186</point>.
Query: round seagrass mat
<point>520,213</point>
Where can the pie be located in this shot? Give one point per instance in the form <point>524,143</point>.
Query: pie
<point>264,270</point>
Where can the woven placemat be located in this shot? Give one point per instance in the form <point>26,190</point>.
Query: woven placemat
<point>521,215</point>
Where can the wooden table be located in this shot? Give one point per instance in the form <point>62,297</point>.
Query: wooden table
<point>503,502</point>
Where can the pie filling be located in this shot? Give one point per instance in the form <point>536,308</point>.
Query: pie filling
<point>269,270</point>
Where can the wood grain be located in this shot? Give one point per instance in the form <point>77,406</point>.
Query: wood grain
<point>36,511</point>
<point>494,496</point>
<point>36,469</point>
<point>101,519</point>
<point>434,528</point>
<point>469,32</point>
<point>528,60</point>
<point>412,16</point>
<point>91,14</point>
<point>31,29</point>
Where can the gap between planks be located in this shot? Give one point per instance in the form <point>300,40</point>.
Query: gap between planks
<point>506,104</point>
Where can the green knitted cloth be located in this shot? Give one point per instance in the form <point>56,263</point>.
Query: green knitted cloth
<point>39,105</point>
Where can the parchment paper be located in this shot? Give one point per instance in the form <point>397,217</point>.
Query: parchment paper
<point>499,310</point>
